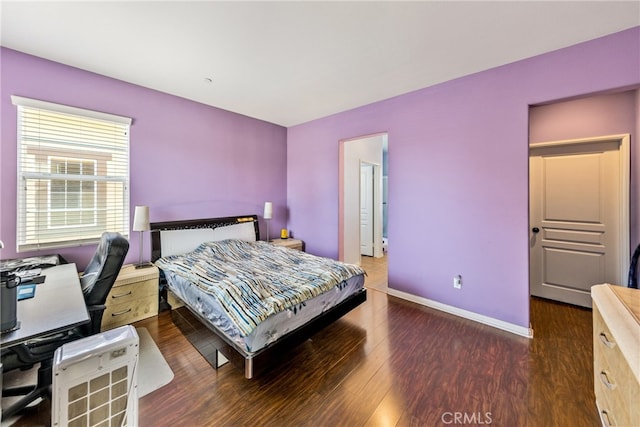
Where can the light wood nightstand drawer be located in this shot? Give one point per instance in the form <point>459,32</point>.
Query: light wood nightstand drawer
<point>132,291</point>
<point>130,274</point>
<point>289,243</point>
<point>129,312</point>
<point>133,297</point>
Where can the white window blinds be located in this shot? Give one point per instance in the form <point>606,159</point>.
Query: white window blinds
<point>73,175</point>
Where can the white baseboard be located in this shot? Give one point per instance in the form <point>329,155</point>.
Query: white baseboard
<point>486,320</point>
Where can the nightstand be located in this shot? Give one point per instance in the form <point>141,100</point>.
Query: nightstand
<point>133,297</point>
<point>289,243</point>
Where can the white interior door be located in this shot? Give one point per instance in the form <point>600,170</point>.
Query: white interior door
<point>578,223</point>
<point>366,209</point>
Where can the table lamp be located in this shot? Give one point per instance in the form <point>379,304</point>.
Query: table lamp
<point>141,224</point>
<point>268,214</point>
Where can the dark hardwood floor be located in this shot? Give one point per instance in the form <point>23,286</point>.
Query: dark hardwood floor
<point>389,363</point>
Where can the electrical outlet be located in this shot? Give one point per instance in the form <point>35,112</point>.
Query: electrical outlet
<point>457,282</point>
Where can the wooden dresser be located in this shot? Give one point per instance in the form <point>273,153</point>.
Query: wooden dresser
<point>616,354</point>
<point>133,297</point>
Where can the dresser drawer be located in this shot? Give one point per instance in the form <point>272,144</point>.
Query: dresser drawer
<point>615,394</point>
<point>615,384</point>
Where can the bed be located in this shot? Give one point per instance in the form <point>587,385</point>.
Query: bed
<point>212,264</point>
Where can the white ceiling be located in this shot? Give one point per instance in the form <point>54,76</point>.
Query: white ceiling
<point>291,62</point>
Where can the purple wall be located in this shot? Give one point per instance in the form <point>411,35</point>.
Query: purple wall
<point>188,160</point>
<point>608,114</point>
<point>458,178</point>
<point>458,173</point>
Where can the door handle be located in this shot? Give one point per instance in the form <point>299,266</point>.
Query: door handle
<point>535,230</point>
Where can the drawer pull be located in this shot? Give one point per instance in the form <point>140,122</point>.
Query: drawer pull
<point>605,380</point>
<point>605,418</point>
<point>606,341</point>
<point>122,295</point>
<point>121,312</point>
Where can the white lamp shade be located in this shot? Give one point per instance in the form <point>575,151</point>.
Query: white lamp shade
<point>268,210</point>
<point>141,219</point>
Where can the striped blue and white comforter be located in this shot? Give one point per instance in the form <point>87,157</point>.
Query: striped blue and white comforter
<point>253,280</point>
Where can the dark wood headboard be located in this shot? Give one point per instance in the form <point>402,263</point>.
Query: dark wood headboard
<point>195,224</point>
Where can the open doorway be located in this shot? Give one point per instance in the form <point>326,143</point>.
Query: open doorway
<point>362,210</point>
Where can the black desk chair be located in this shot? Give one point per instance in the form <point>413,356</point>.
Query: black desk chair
<point>96,281</point>
<point>633,269</point>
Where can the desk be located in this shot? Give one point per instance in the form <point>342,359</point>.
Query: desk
<point>57,305</point>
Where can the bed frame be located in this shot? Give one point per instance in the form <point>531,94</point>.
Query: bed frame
<point>251,363</point>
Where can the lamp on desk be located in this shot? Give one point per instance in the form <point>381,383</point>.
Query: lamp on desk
<point>141,224</point>
<point>268,214</point>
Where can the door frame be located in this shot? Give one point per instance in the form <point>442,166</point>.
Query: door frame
<point>352,151</point>
<point>375,223</point>
<point>624,160</point>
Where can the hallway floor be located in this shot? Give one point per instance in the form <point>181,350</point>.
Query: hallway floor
<point>376,268</point>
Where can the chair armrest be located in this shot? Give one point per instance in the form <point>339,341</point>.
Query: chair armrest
<point>94,308</point>
<point>95,313</point>
<point>37,349</point>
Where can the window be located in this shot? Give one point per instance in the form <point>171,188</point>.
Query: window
<point>73,175</point>
<point>73,203</point>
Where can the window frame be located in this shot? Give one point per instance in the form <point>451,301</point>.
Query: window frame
<point>109,188</point>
